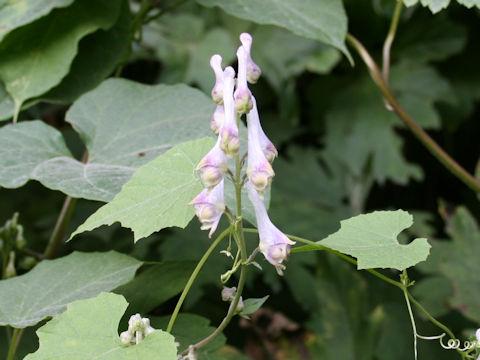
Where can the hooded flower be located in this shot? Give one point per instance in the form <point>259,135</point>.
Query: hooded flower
<point>243,96</point>
<point>266,145</point>
<point>213,166</point>
<point>253,70</point>
<point>230,143</point>
<point>217,119</point>
<point>209,207</point>
<point>259,170</point>
<point>274,244</point>
<point>217,91</point>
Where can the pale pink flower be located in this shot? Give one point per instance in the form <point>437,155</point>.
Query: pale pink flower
<point>274,244</point>
<point>253,70</point>
<point>243,96</point>
<point>217,91</point>
<point>209,207</point>
<point>213,166</point>
<point>266,145</point>
<point>259,171</point>
<point>230,143</point>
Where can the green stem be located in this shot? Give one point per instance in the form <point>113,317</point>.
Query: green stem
<point>424,138</point>
<point>387,45</point>
<point>13,345</point>
<point>58,234</point>
<point>194,275</point>
<point>412,320</point>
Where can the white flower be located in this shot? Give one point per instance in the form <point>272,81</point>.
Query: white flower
<point>243,96</point>
<point>217,91</point>
<point>209,207</point>
<point>266,145</point>
<point>259,170</point>
<point>253,70</point>
<point>274,244</point>
<point>230,143</point>
<point>213,166</point>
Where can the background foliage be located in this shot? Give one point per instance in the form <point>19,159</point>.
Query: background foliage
<point>99,95</point>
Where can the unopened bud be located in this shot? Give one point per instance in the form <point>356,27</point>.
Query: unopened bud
<point>243,101</point>
<point>253,70</point>
<point>126,338</point>
<point>10,269</point>
<point>148,330</point>
<point>228,293</point>
<point>230,143</point>
<point>135,323</point>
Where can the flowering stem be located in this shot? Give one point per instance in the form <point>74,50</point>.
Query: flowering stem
<point>421,135</point>
<point>239,236</point>
<point>194,276</point>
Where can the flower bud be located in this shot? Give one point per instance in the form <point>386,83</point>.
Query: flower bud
<point>209,207</point>
<point>217,91</point>
<point>148,330</point>
<point>126,338</point>
<point>274,244</point>
<point>135,323</point>
<point>253,70</point>
<point>213,166</point>
<point>10,268</point>
<point>217,119</point>
<point>242,95</point>
<point>228,294</point>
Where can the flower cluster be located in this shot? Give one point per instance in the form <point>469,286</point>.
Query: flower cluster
<point>234,98</point>
<point>138,329</point>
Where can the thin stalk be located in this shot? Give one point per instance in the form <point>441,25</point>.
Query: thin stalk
<point>387,45</point>
<point>13,344</point>
<point>58,234</point>
<point>421,135</point>
<point>412,320</point>
<point>194,275</point>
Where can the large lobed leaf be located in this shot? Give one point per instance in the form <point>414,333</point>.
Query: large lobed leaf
<point>158,194</point>
<point>89,330</point>
<point>35,58</point>
<point>437,5</point>
<point>324,20</point>
<point>16,13</point>
<point>372,239</point>
<point>123,124</point>
<point>48,288</point>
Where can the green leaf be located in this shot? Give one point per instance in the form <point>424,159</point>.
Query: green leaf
<point>35,58</point>
<point>437,5</point>
<point>89,330</point>
<point>324,21</point>
<point>428,38</point>
<point>297,54</point>
<point>458,262</point>
<point>157,194</point>
<point>163,281</point>
<point>50,286</point>
<point>124,125</point>
<point>252,305</point>
<point>372,239</point>
<point>25,145</point>
<point>7,107</point>
<point>98,56</point>
<point>215,41</point>
<point>417,86</point>
<point>16,13</point>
